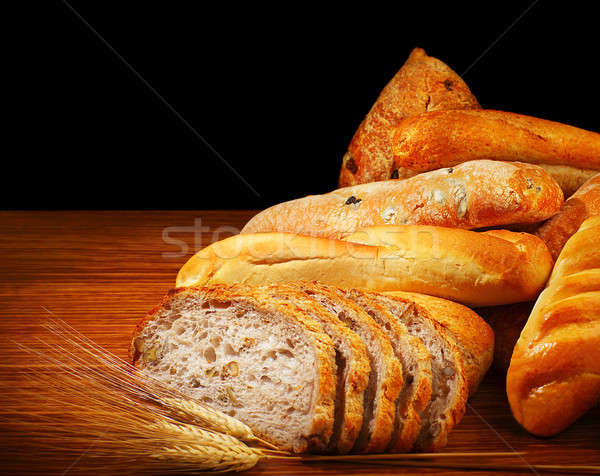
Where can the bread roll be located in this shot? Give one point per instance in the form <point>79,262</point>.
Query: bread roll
<point>475,194</point>
<point>465,266</point>
<point>554,374</point>
<point>423,84</point>
<point>583,204</point>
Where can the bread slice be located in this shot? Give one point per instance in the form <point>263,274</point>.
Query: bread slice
<point>270,366</point>
<point>449,386</point>
<point>473,336</point>
<point>385,380</point>
<point>353,366</point>
<point>416,371</point>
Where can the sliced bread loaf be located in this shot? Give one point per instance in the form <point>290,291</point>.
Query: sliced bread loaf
<point>353,368</point>
<point>449,387</point>
<point>385,380</point>
<point>416,370</point>
<point>271,366</point>
<point>473,336</point>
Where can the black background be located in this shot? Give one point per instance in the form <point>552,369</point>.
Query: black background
<point>277,91</point>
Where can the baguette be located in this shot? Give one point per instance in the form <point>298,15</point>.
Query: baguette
<point>584,203</point>
<point>422,84</point>
<point>554,374</point>
<point>447,138</point>
<point>465,266</point>
<point>469,267</point>
<point>472,195</point>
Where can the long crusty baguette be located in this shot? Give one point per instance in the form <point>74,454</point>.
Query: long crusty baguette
<point>497,266</point>
<point>446,138</point>
<point>583,204</point>
<point>471,195</point>
<point>422,84</point>
<point>554,374</point>
<point>465,266</point>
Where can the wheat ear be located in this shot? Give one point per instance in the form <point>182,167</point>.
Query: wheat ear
<point>190,411</point>
<point>67,415</point>
<point>206,450</point>
<point>126,378</point>
<point>83,400</point>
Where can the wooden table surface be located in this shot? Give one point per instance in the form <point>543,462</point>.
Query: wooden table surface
<point>101,271</point>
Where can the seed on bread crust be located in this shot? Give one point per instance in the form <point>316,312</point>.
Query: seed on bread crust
<point>353,200</point>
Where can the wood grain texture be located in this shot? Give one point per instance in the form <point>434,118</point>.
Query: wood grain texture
<point>102,271</point>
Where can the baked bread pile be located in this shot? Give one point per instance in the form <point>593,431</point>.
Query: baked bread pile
<point>508,321</point>
<point>426,118</point>
<point>338,322</point>
<point>319,368</point>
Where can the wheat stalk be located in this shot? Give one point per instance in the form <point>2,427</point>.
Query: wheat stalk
<point>95,404</point>
<point>123,433</point>
<point>126,378</point>
<point>191,411</point>
<point>209,450</point>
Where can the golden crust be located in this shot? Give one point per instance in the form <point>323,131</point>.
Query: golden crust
<point>473,268</point>
<point>471,195</point>
<point>383,419</point>
<point>554,374</point>
<point>323,413</point>
<point>581,205</point>
<point>422,84</point>
<point>470,332</point>
<point>569,178</point>
<point>447,138</point>
<point>358,367</point>
<point>580,252</point>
